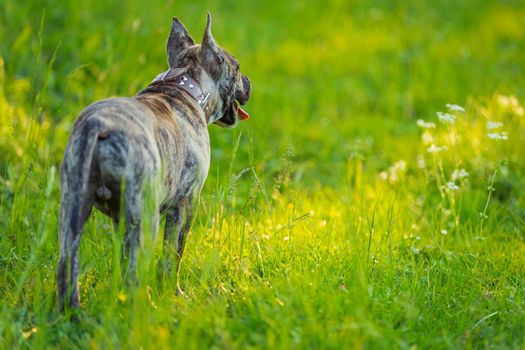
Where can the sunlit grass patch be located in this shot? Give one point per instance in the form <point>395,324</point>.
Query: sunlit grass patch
<point>374,199</point>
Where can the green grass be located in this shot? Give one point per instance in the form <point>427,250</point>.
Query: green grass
<point>325,221</point>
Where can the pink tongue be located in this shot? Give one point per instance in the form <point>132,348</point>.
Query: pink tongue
<point>241,113</point>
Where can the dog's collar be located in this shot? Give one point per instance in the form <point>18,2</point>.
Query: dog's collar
<point>179,77</point>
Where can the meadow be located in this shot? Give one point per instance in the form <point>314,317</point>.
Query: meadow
<point>375,198</point>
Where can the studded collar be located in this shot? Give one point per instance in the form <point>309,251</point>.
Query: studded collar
<point>178,77</point>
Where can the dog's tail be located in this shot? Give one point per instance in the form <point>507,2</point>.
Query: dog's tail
<point>76,203</point>
<point>78,156</point>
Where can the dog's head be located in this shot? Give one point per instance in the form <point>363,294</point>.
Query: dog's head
<point>222,72</point>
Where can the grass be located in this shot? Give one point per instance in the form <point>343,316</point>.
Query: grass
<point>329,220</point>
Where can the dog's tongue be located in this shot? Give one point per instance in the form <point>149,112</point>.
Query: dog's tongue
<point>241,113</point>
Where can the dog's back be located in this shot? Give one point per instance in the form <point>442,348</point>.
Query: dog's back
<point>119,140</point>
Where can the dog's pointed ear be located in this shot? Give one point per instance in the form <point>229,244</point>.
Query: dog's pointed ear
<point>178,40</point>
<point>211,54</point>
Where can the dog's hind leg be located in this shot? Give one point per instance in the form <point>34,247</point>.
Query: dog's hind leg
<point>73,215</point>
<point>141,217</point>
<point>171,229</point>
<point>181,241</point>
<point>178,223</point>
<point>132,210</point>
<point>75,207</point>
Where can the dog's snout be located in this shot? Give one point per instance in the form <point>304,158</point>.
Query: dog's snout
<point>246,85</point>
<point>244,94</point>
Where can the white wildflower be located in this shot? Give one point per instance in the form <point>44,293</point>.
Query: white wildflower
<point>510,103</point>
<point>433,149</point>
<point>446,118</point>
<point>436,149</point>
<point>425,125</point>
<point>459,174</point>
<point>444,232</point>
<point>503,101</point>
<point>286,238</point>
<point>452,186</point>
<point>455,108</point>
<point>427,138</point>
<point>498,135</point>
<point>421,162</point>
<point>493,125</point>
<point>393,178</point>
<point>415,250</point>
<point>394,173</point>
<point>400,165</point>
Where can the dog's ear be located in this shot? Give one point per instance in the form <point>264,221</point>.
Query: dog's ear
<point>179,40</point>
<point>211,54</point>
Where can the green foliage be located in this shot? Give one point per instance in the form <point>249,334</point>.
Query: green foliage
<point>345,213</point>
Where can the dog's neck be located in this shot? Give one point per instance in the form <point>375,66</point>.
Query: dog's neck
<point>202,89</point>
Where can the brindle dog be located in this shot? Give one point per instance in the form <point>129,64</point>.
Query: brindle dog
<point>154,145</point>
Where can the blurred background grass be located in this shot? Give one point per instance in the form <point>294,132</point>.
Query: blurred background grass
<point>337,69</point>
<point>325,221</point>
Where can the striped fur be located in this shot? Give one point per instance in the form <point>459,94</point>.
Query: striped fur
<point>153,145</point>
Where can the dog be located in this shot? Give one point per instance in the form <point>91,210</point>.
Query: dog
<point>154,145</point>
